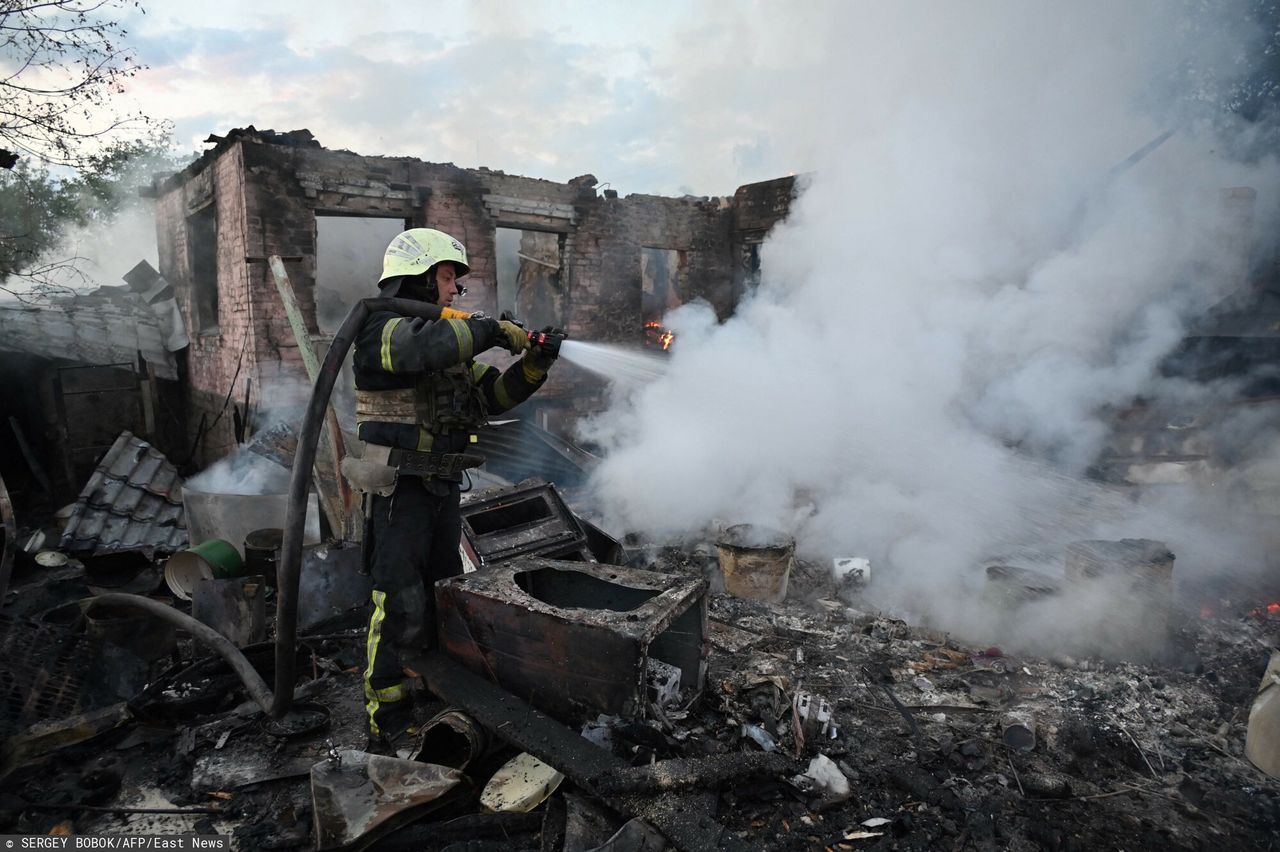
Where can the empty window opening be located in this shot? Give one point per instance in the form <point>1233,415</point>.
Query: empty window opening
<point>529,280</point>
<point>750,259</point>
<point>202,243</point>
<point>349,253</point>
<point>661,273</point>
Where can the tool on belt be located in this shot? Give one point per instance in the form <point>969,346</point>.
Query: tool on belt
<point>432,464</point>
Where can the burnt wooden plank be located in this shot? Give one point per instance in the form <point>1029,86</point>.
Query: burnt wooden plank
<point>686,819</point>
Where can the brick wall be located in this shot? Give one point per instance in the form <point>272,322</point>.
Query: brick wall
<point>215,356</point>
<point>268,194</point>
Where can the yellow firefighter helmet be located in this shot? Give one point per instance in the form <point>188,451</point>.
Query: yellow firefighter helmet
<point>415,251</point>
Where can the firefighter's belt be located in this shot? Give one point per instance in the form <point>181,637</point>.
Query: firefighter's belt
<point>432,464</point>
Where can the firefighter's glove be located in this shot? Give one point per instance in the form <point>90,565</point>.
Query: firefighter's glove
<point>541,356</point>
<point>512,337</point>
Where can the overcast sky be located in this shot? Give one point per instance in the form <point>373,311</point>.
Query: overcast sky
<point>661,97</point>
<point>666,96</point>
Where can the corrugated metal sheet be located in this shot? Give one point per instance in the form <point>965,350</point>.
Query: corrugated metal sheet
<point>96,331</point>
<point>133,501</point>
<point>518,450</point>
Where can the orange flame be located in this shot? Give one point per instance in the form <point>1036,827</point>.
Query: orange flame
<point>1269,609</point>
<point>658,334</point>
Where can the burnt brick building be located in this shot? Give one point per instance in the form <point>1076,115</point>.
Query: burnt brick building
<point>598,265</point>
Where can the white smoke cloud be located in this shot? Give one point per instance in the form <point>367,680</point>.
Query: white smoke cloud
<point>103,251</point>
<point>243,472</point>
<point>958,293</point>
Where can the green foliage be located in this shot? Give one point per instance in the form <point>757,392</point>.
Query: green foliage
<point>110,179</point>
<point>33,209</point>
<point>37,206</point>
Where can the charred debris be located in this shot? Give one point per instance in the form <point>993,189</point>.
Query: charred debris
<point>588,693</point>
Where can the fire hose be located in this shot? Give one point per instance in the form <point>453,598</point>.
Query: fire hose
<point>276,702</point>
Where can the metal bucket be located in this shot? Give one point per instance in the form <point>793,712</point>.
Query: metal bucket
<point>262,552</point>
<point>209,560</point>
<point>452,738</point>
<point>232,517</point>
<point>756,562</point>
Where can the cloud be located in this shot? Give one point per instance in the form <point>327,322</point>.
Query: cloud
<point>650,99</point>
<point>523,102</point>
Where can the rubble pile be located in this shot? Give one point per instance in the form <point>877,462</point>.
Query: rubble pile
<point>962,747</point>
<point>822,725</point>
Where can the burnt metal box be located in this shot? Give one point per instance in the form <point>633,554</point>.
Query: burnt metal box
<point>530,518</point>
<point>574,638</point>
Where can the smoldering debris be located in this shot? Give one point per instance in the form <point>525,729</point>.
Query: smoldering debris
<point>245,471</point>
<point>920,380</point>
<point>821,720</point>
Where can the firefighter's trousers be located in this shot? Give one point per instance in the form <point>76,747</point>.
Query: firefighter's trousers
<point>414,539</point>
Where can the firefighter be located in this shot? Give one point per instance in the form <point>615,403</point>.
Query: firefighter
<point>419,400</point>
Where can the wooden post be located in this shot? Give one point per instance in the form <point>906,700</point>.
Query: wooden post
<point>27,453</point>
<point>339,506</point>
<point>147,390</point>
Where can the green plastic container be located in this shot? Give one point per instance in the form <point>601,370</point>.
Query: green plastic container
<point>214,559</point>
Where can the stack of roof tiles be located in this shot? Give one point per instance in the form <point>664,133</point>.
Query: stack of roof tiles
<point>133,501</point>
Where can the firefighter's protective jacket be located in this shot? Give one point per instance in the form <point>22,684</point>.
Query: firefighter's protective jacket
<point>418,387</point>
